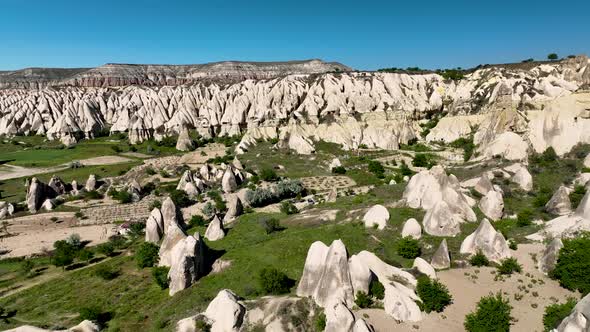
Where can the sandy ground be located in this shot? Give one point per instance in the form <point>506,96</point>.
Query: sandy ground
<point>33,234</point>
<point>208,152</point>
<point>136,155</point>
<point>12,172</point>
<point>467,291</point>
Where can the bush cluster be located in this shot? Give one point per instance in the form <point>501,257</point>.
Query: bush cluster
<point>492,314</point>
<point>273,281</point>
<point>573,264</point>
<point>408,247</point>
<point>284,189</point>
<point>434,295</point>
<point>479,259</point>
<point>147,255</point>
<point>160,275</point>
<point>556,312</point>
<point>509,266</point>
<point>339,170</point>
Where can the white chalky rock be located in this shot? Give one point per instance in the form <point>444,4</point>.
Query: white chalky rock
<point>441,258</point>
<point>376,216</point>
<point>492,205</point>
<point>215,230</point>
<point>335,163</point>
<point>225,312</point>
<point>441,221</point>
<point>360,275</point>
<point>90,183</point>
<point>549,259</point>
<point>228,182</point>
<point>186,264</point>
<point>84,326</point>
<point>484,185</point>
<point>485,238</point>
<point>560,203</point>
<point>508,145</point>
<point>338,318</point>
<point>421,265</point>
<point>523,178</point>
<point>184,142</point>
<point>412,228</point>
<point>154,226</point>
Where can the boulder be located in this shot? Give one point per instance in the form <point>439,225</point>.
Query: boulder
<point>492,205</point>
<point>547,262</point>
<point>412,228</point>
<point>484,185</point>
<point>441,259</point>
<point>48,205</point>
<point>360,275</point>
<point>225,312</point>
<point>579,318</point>
<point>57,186</point>
<point>508,145</point>
<point>215,230</point>
<point>523,178</point>
<point>234,209</point>
<point>184,142</point>
<point>360,325</point>
<point>90,183</point>
<point>169,214</point>
<point>338,318</point>
<point>441,221</point>
<point>228,182</point>
<point>335,163</point>
<point>6,210</point>
<point>187,177</point>
<point>423,267</point>
<point>154,226</point>
<point>35,195</point>
<point>559,204</point>
<point>326,275</point>
<point>186,263</point>
<point>376,216</point>
<point>485,238</point>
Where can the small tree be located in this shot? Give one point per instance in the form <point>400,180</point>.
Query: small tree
<point>270,225</point>
<point>376,168</point>
<point>479,259</point>
<point>552,56</point>
<point>524,218</point>
<point>26,267</point>
<point>160,275</point>
<point>576,195</point>
<point>556,312</point>
<point>377,289</point>
<point>85,255</point>
<point>434,295</point>
<point>147,255</point>
<point>106,272</point>
<point>268,174</point>
<point>196,220</point>
<point>573,264</point>
<point>492,314</point>
<point>273,281</point>
<point>408,247</point>
<point>106,249</point>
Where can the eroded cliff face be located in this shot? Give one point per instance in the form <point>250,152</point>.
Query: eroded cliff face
<point>505,109</point>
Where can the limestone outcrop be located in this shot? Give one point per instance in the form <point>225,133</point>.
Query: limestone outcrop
<point>412,228</point>
<point>6,210</point>
<point>225,313</point>
<point>549,259</point>
<point>424,267</point>
<point>441,258</point>
<point>487,240</point>
<point>215,230</point>
<point>154,226</point>
<point>492,205</point>
<point>441,196</point>
<point>377,216</point>
<point>560,204</point>
<point>187,261</point>
<point>184,142</point>
<point>568,225</point>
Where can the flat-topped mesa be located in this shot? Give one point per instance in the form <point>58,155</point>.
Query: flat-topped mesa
<point>115,74</point>
<point>515,110</point>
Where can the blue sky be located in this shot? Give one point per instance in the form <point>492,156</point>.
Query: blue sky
<point>362,34</point>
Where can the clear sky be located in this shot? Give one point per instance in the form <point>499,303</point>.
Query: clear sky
<point>362,34</point>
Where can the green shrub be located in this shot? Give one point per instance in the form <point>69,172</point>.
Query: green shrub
<point>196,220</point>
<point>64,253</point>
<point>408,247</point>
<point>209,210</point>
<point>122,196</point>
<point>180,198</point>
<point>376,289</point>
<point>85,255</point>
<point>273,281</point>
<point>363,300</point>
<point>160,275</point>
<point>577,195</point>
<point>106,272</point>
<point>423,160</point>
<point>466,144</point>
<point>339,170</point>
<point>147,255</point>
<point>555,313</point>
<point>376,168</point>
<point>524,218</point>
<point>26,267</point>
<point>288,208</point>
<point>90,313</point>
<point>270,225</point>
<point>320,322</point>
<point>268,174</point>
<point>492,314</point>
<point>106,248</point>
<point>434,295</point>
<point>150,171</point>
<point>479,259</point>
<point>509,266</point>
<point>116,148</point>
<point>202,326</point>
<point>573,264</point>
<point>93,195</point>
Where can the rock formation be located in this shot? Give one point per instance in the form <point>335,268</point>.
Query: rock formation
<point>35,195</point>
<point>234,208</point>
<point>567,225</point>
<point>184,142</point>
<point>484,185</point>
<point>377,216</point>
<point>225,313</point>
<point>559,203</point>
<point>84,326</point>
<point>91,183</point>
<point>154,226</point>
<point>441,258</point>
<point>6,210</point>
<point>487,240</point>
<point>523,178</point>
<point>549,259</point>
<point>579,318</point>
<point>187,263</point>
<point>215,230</point>
<point>348,108</point>
<point>423,267</point>
<point>441,196</point>
<point>412,228</point>
<point>492,205</point>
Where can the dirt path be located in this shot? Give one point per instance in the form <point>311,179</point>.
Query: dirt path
<point>8,172</point>
<point>35,233</point>
<point>468,285</point>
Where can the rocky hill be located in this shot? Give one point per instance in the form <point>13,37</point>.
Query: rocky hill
<point>508,111</point>
<point>112,74</point>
